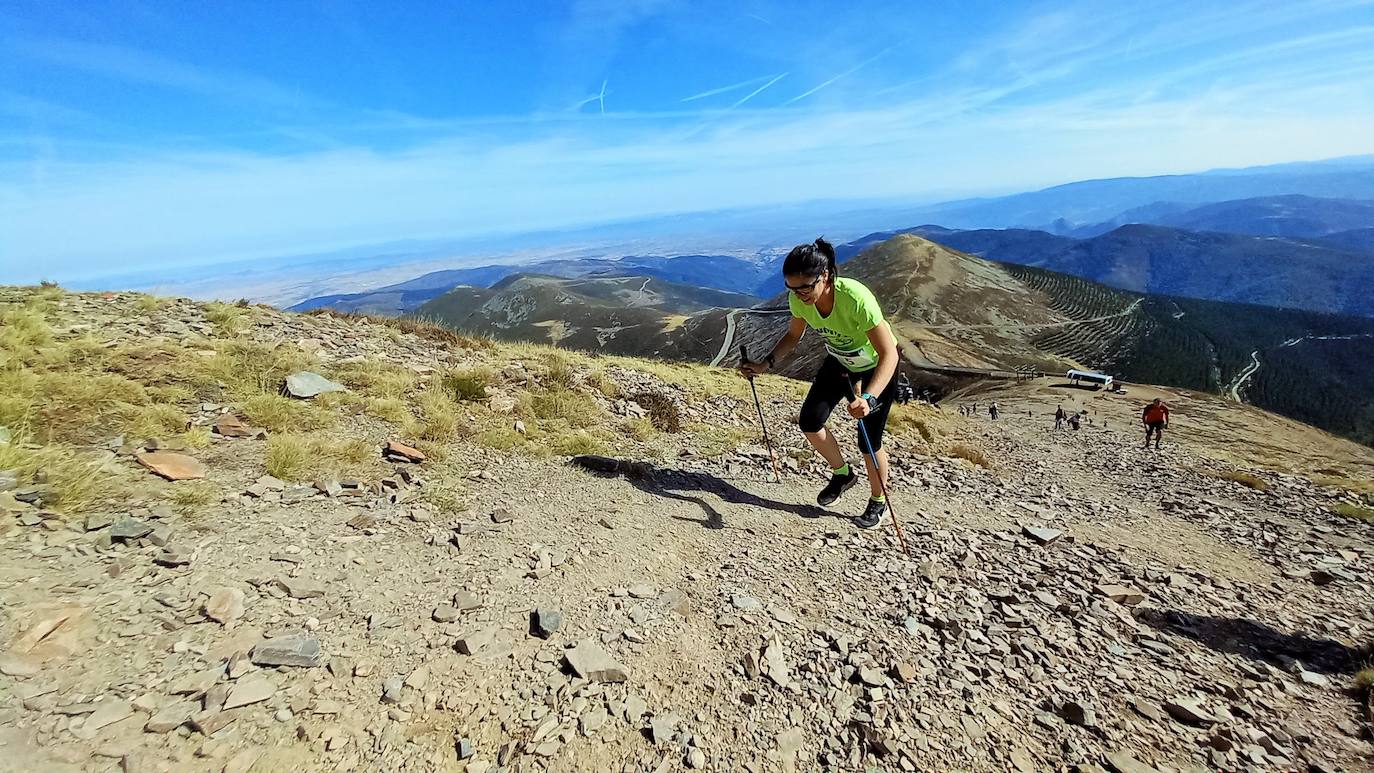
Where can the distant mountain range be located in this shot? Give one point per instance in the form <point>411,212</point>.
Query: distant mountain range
<point>1270,271</point>
<point>1070,206</point>
<point>1293,216</point>
<point>1325,209</point>
<point>727,273</point>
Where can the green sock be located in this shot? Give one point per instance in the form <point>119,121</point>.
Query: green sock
<point>878,499</point>
<point>841,470</point>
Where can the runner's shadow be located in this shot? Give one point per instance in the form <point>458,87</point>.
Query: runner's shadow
<point>681,485</point>
<point>1255,640</point>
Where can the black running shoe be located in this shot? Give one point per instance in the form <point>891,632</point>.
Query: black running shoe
<point>838,485</point>
<point>873,515</point>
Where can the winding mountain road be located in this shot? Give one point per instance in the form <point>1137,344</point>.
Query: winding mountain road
<point>730,331</point>
<point>1237,384</point>
<point>1233,389</point>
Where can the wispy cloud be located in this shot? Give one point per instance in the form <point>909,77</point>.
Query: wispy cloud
<point>841,76</point>
<point>726,89</point>
<point>133,65</point>
<point>759,90</point>
<point>33,109</point>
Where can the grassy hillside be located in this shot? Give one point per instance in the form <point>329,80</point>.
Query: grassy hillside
<point>640,316</point>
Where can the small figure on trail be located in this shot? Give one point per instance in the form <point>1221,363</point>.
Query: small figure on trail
<point>1074,419</point>
<point>861,360</point>
<point>992,411</point>
<point>1059,417</point>
<point>1155,417</point>
<point>905,392</point>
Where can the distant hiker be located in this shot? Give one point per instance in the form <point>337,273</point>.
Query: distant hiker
<point>1155,417</point>
<point>1059,417</point>
<point>1073,421</point>
<point>862,355</point>
<point>992,411</point>
<point>905,392</point>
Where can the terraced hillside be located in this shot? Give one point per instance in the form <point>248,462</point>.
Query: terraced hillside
<point>1312,367</point>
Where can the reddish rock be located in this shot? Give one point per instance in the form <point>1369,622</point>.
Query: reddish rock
<point>172,466</point>
<point>403,451</point>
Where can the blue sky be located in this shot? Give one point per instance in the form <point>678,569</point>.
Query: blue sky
<point>141,134</point>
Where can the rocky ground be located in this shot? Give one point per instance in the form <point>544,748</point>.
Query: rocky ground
<point>1081,605</point>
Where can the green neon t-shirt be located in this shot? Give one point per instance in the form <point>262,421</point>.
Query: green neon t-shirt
<point>845,330</point>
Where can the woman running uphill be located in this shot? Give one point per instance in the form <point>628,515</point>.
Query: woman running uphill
<point>862,357</point>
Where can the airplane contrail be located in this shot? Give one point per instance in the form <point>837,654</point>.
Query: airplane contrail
<point>723,89</point>
<point>598,98</point>
<point>758,90</point>
<point>848,72</point>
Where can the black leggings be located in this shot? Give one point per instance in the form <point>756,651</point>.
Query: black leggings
<point>828,390</point>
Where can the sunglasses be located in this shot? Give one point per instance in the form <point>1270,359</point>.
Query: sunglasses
<point>805,289</point>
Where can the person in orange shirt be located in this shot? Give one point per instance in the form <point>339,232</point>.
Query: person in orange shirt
<point>1155,417</point>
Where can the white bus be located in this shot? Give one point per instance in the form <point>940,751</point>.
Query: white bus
<point>1078,376</point>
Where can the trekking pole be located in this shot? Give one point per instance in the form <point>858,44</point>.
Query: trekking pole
<point>882,484</point>
<point>743,358</point>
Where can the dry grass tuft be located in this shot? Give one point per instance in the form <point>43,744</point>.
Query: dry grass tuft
<point>192,497</point>
<point>278,413</point>
<point>445,491</point>
<point>1355,511</point>
<point>388,409</point>
<point>604,383</point>
<point>229,319</point>
<point>714,441</point>
<point>1364,680</point>
<point>438,415</point>
<point>640,428</point>
<point>423,328</point>
<point>149,303</point>
<point>576,409</point>
<point>500,438</point>
<point>559,370</point>
<point>972,455</point>
<point>23,330</point>
<point>1249,480</point>
<point>577,443</point>
<point>300,457</point>
<point>468,384</point>
<point>375,378</point>
<point>663,411</point>
<point>905,418</point>
<point>288,457</point>
<point>78,480</point>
